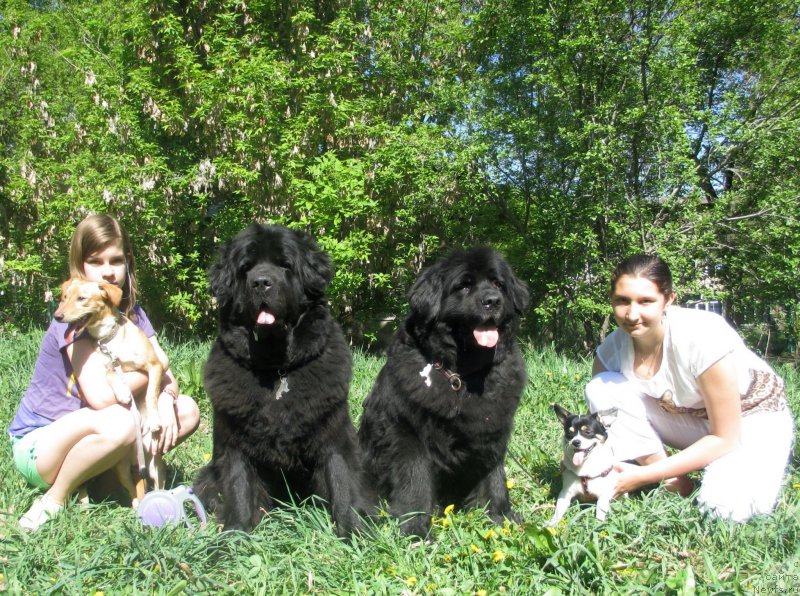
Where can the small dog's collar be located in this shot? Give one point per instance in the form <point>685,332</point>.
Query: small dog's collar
<point>585,479</point>
<point>102,346</point>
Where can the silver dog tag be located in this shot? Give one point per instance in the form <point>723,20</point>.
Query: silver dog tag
<point>283,387</point>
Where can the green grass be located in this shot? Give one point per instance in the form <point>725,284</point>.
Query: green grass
<point>654,542</point>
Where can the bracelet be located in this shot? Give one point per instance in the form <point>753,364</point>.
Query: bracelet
<point>171,393</point>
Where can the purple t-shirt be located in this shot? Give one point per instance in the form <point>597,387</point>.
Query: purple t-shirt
<point>53,391</point>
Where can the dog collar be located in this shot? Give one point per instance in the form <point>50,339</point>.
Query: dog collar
<point>453,378</point>
<point>585,479</point>
<point>102,345</point>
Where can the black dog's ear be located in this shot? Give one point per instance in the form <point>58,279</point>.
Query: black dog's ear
<point>312,266</point>
<point>425,296</point>
<point>561,413</point>
<point>221,276</point>
<point>517,291</point>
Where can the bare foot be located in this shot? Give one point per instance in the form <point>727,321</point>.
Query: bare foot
<point>680,484</point>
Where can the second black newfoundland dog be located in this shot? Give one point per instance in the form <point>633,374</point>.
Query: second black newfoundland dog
<point>437,422</point>
<point>278,376</point>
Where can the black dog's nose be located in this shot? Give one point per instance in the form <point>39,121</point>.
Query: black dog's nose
<point>576,442</point>
<point>491,300</point>
<point>262,282</point>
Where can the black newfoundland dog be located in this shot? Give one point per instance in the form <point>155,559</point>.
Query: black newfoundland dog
<point>437,422</point>
<point>278,377</point>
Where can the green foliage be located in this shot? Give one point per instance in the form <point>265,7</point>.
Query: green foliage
<point>652,543</point>
<point>566,134</point>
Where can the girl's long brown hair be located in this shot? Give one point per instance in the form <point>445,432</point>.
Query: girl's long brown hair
<point>94,234</point>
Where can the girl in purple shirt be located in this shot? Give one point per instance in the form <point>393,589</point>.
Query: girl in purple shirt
<point>69,427</point>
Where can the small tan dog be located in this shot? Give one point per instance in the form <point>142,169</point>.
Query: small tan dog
<point>93,306</point>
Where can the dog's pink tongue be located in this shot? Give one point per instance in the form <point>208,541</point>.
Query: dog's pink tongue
<point>265,318</point>
<point>486,336</point>
<point>577,459</point>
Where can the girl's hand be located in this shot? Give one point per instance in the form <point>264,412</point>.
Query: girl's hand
<point>169,425</point>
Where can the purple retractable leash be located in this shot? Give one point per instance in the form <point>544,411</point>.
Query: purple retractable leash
<point>161,507</point>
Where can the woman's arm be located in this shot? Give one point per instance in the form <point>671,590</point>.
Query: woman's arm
<point>597,366</point>
<point>723,404</point>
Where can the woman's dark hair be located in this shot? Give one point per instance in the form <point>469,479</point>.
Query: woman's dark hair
<point>648,266</point>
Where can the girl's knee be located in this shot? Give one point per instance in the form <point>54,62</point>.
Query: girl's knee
<point>117,424</point>
<point>188,415</point>
<point>606,390</point>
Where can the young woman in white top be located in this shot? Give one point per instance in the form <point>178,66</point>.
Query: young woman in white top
<point>684,378</point>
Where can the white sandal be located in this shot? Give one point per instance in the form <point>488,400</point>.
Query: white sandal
<point>42,510</point>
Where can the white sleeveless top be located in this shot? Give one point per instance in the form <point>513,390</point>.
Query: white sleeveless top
<point>693,341</point>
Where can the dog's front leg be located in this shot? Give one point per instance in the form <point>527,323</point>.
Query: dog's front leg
<point>120,388</point>
<point>245,499</point>
<point>568,492</point>
<point>492,492</point>
<point>342,488</point>
<point>157,471</point>
<point>413,497</point>
<point>603,505</point>
<point>154,372</point>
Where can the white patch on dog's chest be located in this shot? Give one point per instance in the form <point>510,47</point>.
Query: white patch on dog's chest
<point>425,373</point>
<point>283,387</point>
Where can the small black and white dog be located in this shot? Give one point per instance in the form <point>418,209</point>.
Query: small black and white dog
<point>588,462</point>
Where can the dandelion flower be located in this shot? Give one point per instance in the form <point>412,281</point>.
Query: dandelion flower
<point>489,535</point>
<point>510,483</point>
<point>475,548</point>
<point>411,581</point>
<point>481,593</point>
<point>498,556</point>
<point>449,509</point>
<point>206,457</point>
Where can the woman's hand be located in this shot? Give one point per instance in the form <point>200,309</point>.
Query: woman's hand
<point>630,478</point>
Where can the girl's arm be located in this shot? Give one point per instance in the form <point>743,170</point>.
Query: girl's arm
<point>90,371</point>
<point>168,437</point>
<point>723,404</point>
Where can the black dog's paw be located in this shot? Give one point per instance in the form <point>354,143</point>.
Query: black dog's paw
<point>509,515</point>
<point>417,525</point>
<point>349,524</point>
